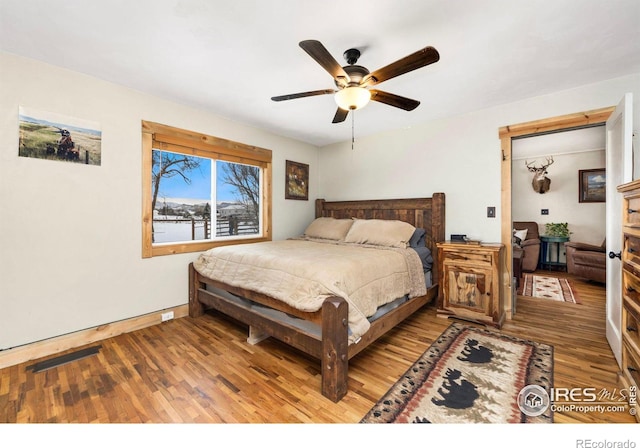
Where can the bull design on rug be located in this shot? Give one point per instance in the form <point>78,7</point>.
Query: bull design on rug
<point>456,395</point>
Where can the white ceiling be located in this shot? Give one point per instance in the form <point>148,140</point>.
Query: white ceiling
<point>231,57</point>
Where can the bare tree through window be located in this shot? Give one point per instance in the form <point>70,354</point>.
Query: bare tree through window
<point>244,185</point>
<point>182,190</point>
<point>168,165</point>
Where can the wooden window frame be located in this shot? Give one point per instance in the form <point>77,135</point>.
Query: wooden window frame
<point>167,138</point>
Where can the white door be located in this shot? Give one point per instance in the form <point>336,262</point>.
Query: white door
<point>619,170</point>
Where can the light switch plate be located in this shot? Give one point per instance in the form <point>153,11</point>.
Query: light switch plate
<point>491,212</point>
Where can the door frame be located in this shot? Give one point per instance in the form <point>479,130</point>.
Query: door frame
<point>596,117</point>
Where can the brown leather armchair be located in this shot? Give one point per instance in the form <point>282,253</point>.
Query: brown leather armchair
<point>530,245</point>
<point>587,261</point>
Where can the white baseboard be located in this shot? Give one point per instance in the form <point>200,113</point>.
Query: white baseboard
<point>40,349</point>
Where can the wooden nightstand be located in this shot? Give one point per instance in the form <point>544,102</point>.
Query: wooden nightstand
<point>469,281</point>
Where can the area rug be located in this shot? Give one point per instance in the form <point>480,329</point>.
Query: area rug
<point>546,287</point>
<point>472,375</point>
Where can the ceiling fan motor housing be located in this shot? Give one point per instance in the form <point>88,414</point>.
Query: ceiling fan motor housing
<point>356,74</point>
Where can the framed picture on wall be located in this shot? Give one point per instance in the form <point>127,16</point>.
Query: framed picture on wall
<point>592,185</point>
<point>52,136</point>
<point>296,181</point>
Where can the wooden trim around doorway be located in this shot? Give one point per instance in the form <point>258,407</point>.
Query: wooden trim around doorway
<point>506,134</point>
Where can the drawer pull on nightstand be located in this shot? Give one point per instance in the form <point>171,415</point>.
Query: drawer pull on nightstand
<point>631,250</point>
<point>630,289</point>
<point>613,255</point>
<point>632,329</point>
<point>630,210</point>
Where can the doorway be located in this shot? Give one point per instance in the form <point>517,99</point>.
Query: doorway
<point>563,156</point>
<point>534,128</point>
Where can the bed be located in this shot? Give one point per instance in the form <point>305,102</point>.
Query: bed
<point>328,327</point>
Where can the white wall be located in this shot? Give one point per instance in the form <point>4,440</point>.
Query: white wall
<point>586,220</point>
<point>70,235</point>
<point>459,156</point>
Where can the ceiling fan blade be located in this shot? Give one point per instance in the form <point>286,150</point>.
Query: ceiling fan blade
<point>293,96</point>
<point>322,56</point>
<point>393,100</point>
<point>340,116</point>
<point>420,58</point>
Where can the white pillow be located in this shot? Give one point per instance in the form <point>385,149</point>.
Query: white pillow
<point>380,232</point>
<point>522,234</point>
<point>328,228</point>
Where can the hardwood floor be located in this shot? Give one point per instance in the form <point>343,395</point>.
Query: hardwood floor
<point>202,370</point>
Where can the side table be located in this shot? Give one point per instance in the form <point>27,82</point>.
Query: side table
<point>470,282</point>
<point>546,261</point>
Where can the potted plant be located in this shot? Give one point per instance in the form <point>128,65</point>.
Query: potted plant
<point>560,229</point>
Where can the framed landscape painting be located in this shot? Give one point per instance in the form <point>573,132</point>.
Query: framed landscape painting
<point>592,185</point>
<point>296,181</point>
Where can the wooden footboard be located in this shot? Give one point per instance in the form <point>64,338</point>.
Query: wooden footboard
<point>332,348</point>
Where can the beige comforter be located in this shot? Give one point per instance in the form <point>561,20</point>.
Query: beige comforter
<point>304,272</point>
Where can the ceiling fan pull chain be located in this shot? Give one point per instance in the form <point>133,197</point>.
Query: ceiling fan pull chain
<point>353,139</point>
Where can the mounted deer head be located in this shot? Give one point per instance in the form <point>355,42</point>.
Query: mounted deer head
<point>540,182</point>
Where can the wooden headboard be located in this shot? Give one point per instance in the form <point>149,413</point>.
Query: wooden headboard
<point>426,213</point>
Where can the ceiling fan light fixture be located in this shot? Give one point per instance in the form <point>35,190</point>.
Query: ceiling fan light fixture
<point>352,98</point>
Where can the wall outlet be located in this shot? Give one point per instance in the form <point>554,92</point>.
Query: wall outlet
<point>167,316</point>
<point>491,212</point>
<point>544,211</point>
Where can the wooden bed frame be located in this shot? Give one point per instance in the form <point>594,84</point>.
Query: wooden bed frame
<point>332,347</point>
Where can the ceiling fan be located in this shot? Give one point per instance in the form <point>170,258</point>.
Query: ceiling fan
<point>353,81</point>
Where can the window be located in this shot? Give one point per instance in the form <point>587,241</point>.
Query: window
<point>201,191</point>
